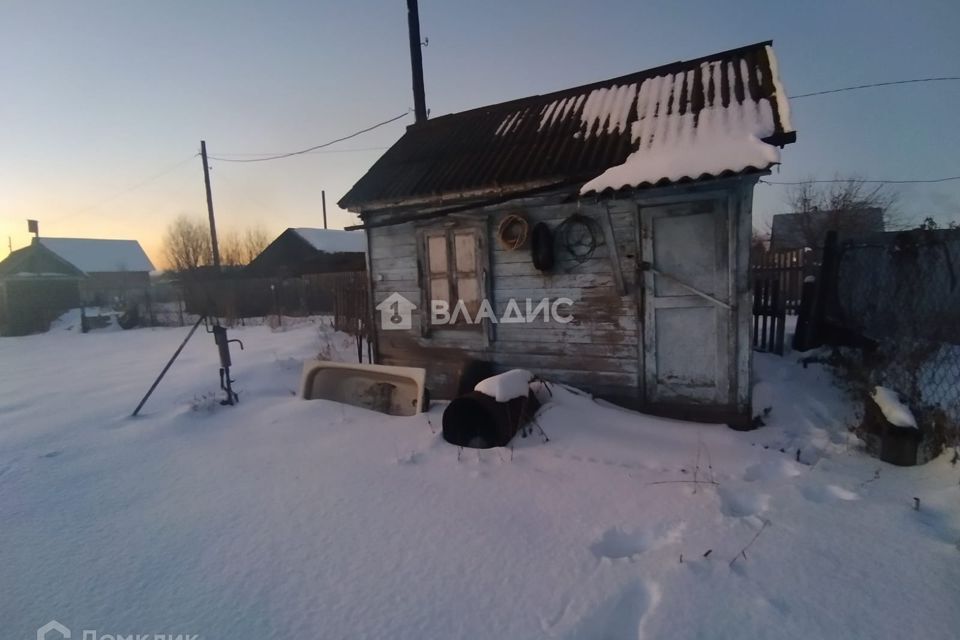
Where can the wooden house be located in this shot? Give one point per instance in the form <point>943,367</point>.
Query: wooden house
<point>36,286</point>
<point>116,270</point>
<point>303,251</point>
<point>627,200</point>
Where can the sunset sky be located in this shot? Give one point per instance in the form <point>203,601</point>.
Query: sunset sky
<point>104,103</point>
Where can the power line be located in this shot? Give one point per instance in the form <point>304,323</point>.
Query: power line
<point>313,148</point>
<point>318,152</point>
<point>266,208</point>
<point>930,181</point>
<point>170,169</point>
<point>876,84</point>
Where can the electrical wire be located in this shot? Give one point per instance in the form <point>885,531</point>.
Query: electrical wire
<point>272,153</point>
<point>170,169</point>
<point>309,149</point>
<point>840,180</point>
<point>876,84</point>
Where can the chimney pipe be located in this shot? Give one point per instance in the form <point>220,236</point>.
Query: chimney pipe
<point>416,62</point>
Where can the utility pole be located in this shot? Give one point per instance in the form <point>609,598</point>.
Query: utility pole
<point>416,62</point>
<point>213,222</point>
<point>323,199</point>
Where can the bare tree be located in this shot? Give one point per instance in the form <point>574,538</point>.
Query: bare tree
<point>929,224</point>
<point>848,205</point>
<point>186,244</point>
<point>759,245</point>
<point>231,249</point>
<point>238,249</point>
<point>255,240</point>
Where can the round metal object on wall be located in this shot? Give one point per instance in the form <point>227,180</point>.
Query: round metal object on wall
<point>541,247</point>
<point>513,231</point>
<point>580,236</point>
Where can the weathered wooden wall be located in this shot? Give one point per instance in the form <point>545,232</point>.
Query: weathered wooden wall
<point>598,348</point>
<point>602,348</point>
<point>29,305</point>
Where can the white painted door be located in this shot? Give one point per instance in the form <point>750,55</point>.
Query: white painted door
<point>687,297</point>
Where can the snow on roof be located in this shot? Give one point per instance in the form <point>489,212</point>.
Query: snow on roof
<point>671,141</point>
<point>706,117</point>
<point>334,240</point>
<point>95,255</point>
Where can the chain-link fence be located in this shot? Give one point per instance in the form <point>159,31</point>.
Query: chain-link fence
<point>897,296</point>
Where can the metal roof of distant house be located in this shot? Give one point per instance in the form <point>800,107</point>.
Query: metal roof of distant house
<point>334,240</point>
<point>717,115</point>
<point>36,261</point>
<point>94,255</point>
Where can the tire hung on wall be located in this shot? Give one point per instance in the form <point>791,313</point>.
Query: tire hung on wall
<point>541,247</point>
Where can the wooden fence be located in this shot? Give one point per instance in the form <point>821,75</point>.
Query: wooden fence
<point>341,295</point>
<point>769,316</point>
<point>788,268</point>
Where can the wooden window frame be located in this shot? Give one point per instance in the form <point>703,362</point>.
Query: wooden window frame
<point>449,229</point>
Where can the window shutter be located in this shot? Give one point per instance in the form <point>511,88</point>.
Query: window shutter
<point>439,288</point>
<point>468,281</point>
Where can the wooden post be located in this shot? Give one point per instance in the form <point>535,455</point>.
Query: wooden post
<point>825,282</point>
<point>764,305</point>
<point>213,223</point>
<point>149,305</point>
<point>323,199</point>
<point>612,251</point>
<point>802,339</point>
<point>416,62</point>
<point>777,309</point>
<point>276,303</point>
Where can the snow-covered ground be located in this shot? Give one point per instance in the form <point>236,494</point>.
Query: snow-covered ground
<point>283,518</point>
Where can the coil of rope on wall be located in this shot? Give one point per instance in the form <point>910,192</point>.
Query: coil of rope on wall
<point>513,231</point>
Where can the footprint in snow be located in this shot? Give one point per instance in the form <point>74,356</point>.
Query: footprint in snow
<point>821,494</point>
<point>938,523</point>
<point>414,457</point>
<point>777,469</point>
<point>740,503</point>
<point>617,542</point>
<point>621,617</point>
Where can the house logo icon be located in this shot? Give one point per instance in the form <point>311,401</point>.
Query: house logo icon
<point>46,631</point>
<point>396,312</point>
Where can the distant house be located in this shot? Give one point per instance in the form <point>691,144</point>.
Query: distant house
<point>302,251</point>
<point>801,230</point>
<point>36,286</point>
<point>115,270</point>
<point>51,275</point>
<point>627,202</point>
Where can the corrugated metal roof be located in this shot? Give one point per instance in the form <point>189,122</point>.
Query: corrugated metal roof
<point>575,135</point>
<point>334,240</point>
<point>95,255</point>
<point>36,261</point>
